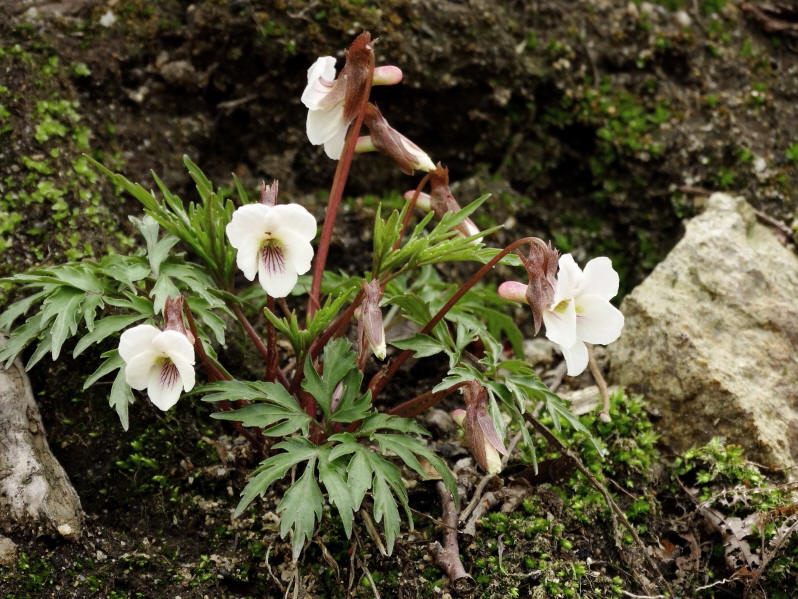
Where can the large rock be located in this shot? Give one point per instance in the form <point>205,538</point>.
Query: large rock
<point>35,494</point>
<point>711,336</point>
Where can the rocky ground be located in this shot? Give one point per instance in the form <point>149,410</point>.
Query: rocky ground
<point>601,125</point>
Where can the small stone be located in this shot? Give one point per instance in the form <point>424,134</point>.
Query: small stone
<point>108,19</point>
<point>682,18</point>
<point>439,421</point>
<point>539,351</point>
<point>8,551</point>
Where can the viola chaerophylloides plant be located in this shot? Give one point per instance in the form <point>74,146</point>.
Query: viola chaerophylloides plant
<point>174,302</point>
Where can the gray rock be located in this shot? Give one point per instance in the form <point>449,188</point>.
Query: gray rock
<point>711,336</point>
<point>8,551</point>
<point>35,494</point>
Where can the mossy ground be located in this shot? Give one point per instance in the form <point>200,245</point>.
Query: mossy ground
<point>595,123</point>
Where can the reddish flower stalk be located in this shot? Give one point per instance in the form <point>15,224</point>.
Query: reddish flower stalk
<point>381,378</point>
<point>420,403</point>
<point>271,344</point>
<point>409,210</point>
<point>361,47</point>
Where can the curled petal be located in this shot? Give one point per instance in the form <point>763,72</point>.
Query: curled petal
<point>135,341</point>
<point>186,371</point>
<point>321,75</point>
<point>598,321</point>
<point>600,278</point>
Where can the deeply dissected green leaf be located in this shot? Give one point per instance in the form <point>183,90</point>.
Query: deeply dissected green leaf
<point>423,345</point>
<point>385,511</point>
<point>294,451</point>
<point>112,361</point>
<point>121,397</point>
<point>300,508</point>
<point>333,475</point>
<point>338,360</point>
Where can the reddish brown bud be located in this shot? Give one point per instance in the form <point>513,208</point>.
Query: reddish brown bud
<point>371,318</point>
<point>173,317</point>
<point>442,200</point>
<point>541,268</point>
<point>484,441</point>
<point>357,75</point>
<point>404,153</point>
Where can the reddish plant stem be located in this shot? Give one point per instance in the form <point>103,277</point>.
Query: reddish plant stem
<point>336,191</point>
<point>271,345</point>
<point>410,205</point>
<point>447,556</point>
<point>413,407</point>
<point>381,378</point>
<point>258,343</point>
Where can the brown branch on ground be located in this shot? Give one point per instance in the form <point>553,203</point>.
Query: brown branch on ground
<point>616,514</point>
<point>448,555</point>
<point>510,496</point>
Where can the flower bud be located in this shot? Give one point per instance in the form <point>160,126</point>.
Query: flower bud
<point>268,193</point>
<point>357,74</point>
<point>173,317</point>
<point>371,318</point>
<point>458,416</point>
<point>481,434</point>
<point>404,153</point>
<point>442,201</point>
<point>386,75</point>
<point>541,268</point>
<point>513,291</point>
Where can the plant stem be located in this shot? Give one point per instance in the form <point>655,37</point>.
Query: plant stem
<point>336,191</point>
<point>271,341</point>
<point>604,415</point>
<point>381,378</point>
<point>257,342</point>
<point>409,209</point>
<point>419,403</point>
<point>448,555</point>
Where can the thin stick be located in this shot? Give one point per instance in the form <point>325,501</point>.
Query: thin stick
<point>448,555</point>
<point>616,512</point>
<point>413,407</point>
<point>258,343</point>
<point>604,415</point>
<point>381,378</point>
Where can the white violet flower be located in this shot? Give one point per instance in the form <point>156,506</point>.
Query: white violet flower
<point>325,102</point>
<point>162,362</point>
<point>273,242</point>
<point>581,311</point>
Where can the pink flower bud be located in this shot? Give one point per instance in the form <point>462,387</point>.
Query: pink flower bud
<point>458,416</point>
<point>512,291</point>
<point>442,200</point>
<point>387,75</point>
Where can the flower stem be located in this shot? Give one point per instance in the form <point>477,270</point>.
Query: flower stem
<point>420,403</point>
<point>381,378</point>
<point>271,345</point>
<point>336,191</point>
<point>410,205</point>
<point>604,415</point>
<point>257,342</point>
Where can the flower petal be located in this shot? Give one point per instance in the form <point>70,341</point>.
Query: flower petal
<point>165,386</point>
<point>275,274</point>
<point>561,323</point>
<point>246,232</point>
<point>575,358</point>
<point>136,340</point>
<point>569,277</point>
<point>298,252</point>
<point>597,321</point>
<point>324,125</point>
<point>295,217</point>
<point>138,371</point>
<point>186,370</point>
<point>175,346</point>
<point>600,278</point>
<point>321,74</point>
<point>335,145</point>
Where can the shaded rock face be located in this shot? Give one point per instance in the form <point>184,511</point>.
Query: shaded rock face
<point>35,494</point>
<point>711,336</point>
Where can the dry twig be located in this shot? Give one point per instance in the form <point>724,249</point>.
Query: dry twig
<point>447,555</point>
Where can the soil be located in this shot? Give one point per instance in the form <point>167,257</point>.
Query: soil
<point>600,125</point>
